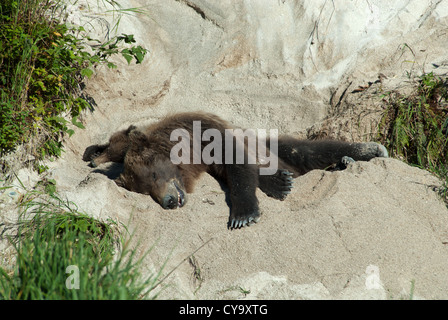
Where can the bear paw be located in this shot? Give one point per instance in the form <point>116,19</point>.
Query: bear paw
<point>343,163</point>
<point>278,185</point>
<point>239,219</point>
<point>92,152</point>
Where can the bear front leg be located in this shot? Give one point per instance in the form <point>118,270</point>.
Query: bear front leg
<point>242,181</point>
<point>93,152</point>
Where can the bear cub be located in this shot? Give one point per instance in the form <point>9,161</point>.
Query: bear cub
<point>148,168</point>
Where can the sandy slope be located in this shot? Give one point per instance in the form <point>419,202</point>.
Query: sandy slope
<point>366,232</point>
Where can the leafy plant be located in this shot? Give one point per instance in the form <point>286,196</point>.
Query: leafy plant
<point>42,64</point>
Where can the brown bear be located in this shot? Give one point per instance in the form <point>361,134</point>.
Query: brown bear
<point>149,166</point>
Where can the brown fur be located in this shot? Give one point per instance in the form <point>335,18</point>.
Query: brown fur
<point>149,151</point>
<point>148,169</point>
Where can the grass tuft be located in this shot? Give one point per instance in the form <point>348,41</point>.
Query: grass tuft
<point>65,254</point>
<point>414,128</point>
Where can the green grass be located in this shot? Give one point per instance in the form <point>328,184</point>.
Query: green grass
<point>64,254</point>
<point>43,63</point>
<point>414,128</point>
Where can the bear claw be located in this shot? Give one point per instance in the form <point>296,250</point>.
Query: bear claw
<point>236,223</point>
<point>278,185</point>
<point>343,163</point>
<point>92,164</point>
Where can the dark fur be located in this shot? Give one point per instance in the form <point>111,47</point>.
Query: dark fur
<point>148,169</point>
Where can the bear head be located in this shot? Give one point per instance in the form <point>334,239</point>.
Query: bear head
<point>147,171</point>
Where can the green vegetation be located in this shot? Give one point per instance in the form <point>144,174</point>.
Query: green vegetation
<point>42,64</point>
<point>414,128</point>
<point>61,253</point>
<point>64,254</point>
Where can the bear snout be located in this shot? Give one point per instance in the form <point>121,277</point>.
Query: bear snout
<point>169,202</point>
<point>175,197</point>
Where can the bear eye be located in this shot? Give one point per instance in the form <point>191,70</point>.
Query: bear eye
<point>154,176</point>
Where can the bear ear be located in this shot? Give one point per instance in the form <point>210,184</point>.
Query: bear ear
<point>131,127</point>
<point>136,136</point>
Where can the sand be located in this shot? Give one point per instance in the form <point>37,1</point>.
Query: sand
<point>377,230</point>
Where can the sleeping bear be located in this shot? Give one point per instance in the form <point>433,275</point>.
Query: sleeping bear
<point>150,166</point>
